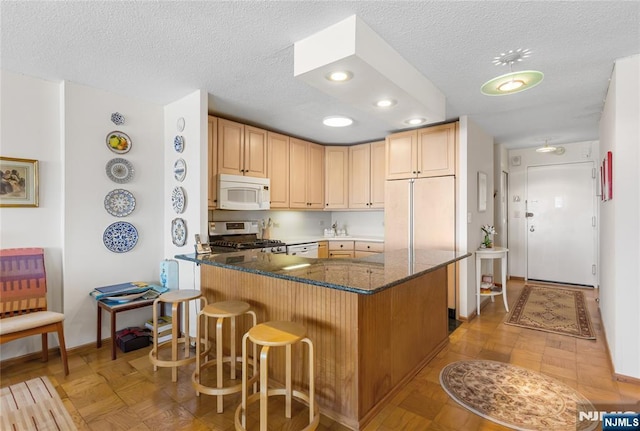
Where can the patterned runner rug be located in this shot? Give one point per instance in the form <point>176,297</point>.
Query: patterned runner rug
<point>515,397</point>
<point>551,309</point>
<point>33,405</point>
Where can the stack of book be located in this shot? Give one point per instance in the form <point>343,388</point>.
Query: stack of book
<point>123,289</point>
<point>164,328</point>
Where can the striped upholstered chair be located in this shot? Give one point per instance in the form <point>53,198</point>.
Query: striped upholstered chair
<point>23,300</point>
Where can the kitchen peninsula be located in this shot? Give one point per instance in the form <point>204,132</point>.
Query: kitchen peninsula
<point>374,321</point>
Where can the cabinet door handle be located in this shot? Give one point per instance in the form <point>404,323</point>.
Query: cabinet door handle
<point>419,171</point>
<point>341,245</point>
<point>413,172</point>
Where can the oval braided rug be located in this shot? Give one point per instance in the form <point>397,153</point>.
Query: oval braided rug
<point>514,397</point>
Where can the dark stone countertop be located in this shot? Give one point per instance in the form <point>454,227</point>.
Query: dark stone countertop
<point>363,276</point>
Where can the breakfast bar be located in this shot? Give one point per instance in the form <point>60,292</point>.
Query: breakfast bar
<point>375,321</point>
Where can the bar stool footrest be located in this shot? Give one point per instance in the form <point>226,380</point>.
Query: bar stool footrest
<point>297,395</point>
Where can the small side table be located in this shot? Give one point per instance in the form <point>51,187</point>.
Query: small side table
<point>113,309</point>
<point>492,253</point>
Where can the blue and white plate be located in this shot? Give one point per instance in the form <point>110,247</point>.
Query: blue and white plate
<point>180,170</point>
<point>179,232</point>
<point>178,200</point>
<point>180,124</point>
<point>119,170</point>
<point>178,143</point>
<point>120,237</point>
<point>119,202</point>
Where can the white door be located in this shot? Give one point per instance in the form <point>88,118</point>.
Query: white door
<point>561,223</point>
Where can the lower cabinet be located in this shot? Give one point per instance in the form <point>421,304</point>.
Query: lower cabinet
<point>367,248</point>
<point>323,249</point>
<point>340,249</point>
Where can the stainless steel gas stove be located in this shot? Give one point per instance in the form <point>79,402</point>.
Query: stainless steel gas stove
<point>242,235</point>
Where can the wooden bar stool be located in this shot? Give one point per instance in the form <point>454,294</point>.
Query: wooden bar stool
<point>220,311</point>
<point>176,298</point>
<point>276,334</point>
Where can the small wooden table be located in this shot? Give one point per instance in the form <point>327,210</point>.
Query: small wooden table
<point>113,309</point>
<point>492,253</point>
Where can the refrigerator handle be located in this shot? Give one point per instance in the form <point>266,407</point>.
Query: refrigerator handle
<point>411,221</point>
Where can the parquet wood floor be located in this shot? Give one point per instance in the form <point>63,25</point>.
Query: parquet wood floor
<point>126,394</point>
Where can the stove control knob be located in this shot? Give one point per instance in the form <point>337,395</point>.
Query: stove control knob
<point>273,250</point>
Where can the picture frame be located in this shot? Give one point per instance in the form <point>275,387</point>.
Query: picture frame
<point>482,191</point>
<point>19,186</point>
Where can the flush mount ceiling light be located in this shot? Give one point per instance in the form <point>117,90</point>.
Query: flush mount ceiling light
<point>546,148</point>
<point>512,82</point>
<point>337,121</point>
<point>351,45</point>
<point>339,76</point>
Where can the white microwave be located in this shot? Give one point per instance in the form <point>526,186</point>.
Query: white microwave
<point>237,192</point>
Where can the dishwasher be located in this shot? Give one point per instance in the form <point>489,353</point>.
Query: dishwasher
<point>309,249</point>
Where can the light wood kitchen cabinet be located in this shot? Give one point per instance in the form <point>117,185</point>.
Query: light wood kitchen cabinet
<point>336,177</point>
<point>367,248</point>
<point>212,173</point>
<point>242,149</point>
<point>323,249</point>
<point>427,152</point>
<point>278,169</point>
<point>306,174</point>
<point>366,175</point>
<point>340,249</point>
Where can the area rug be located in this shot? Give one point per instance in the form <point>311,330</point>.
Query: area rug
<point>515,397</point>
<point>552,309</point>
<point>33,405</point>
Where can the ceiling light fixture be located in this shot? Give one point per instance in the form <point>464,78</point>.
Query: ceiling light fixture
<point>337,121</point>
<point>340,76</point>
<point>512,82</point>
<point>385,103</point>
<point>415,121</point>
<point>546,148</point>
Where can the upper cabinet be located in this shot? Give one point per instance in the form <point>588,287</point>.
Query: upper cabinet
<point>306,174</point>
<point>278,169</point>
<point>336,179</point>
<point>366,175</point>
<point>428,152</point>
<point>242,149</point>
<point>212,184</point>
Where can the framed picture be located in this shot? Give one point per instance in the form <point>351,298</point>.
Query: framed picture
<point>19,186</point>
<point>482,192</point>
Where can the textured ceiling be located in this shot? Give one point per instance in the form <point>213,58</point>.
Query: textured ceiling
<point>241,53</point>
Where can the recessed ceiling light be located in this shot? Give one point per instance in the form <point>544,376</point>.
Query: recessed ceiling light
<point>340,76</point>
<point>385,103</point>
<point>415,121</point>
<point>337,121</point>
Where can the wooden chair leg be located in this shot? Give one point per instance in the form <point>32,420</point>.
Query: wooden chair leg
<point>63,348</point>
<point>45,347</point>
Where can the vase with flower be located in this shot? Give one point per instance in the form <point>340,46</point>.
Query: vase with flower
<point>487,230</point>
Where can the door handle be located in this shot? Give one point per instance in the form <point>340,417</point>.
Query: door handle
<point>532,229</point>
<point>528,214</point>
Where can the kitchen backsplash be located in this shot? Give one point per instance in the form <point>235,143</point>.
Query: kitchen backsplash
<point>290,224</point>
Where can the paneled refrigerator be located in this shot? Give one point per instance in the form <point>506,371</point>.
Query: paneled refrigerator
<point>420,213</point>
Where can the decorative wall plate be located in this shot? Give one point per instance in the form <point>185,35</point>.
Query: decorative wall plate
<point>180,124</point>
<point>117,118</point>
<point>119,202</point>
<point>119,170</point>
<point>180,170</point>
<point>178,143</point>
<point>179,232</point>
<point>120,237</point>
<point>118,142</point>
<point>178,200</point>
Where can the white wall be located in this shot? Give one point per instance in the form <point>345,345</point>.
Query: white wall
<point>476,147</point>
<point>620,226</point>
<point>64,126</point>
<point>30,129</point>
<point>87,263</point>
<point>574,152</point>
